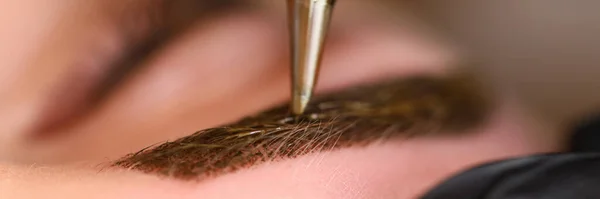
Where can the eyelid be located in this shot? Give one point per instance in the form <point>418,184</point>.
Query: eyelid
<point>138,30</point>
<point>154,26</point>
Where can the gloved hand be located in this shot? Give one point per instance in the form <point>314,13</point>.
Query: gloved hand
<point>575,174</point>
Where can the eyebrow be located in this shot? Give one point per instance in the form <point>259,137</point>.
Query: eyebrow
<point>355,117</point>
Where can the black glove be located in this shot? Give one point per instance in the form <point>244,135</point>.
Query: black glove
<point>559,176</point>
<point>574,175</point>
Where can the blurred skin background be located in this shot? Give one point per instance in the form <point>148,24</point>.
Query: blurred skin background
<point>546,51</point>
<point>233,63</point>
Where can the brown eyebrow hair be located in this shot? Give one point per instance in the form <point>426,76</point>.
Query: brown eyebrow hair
<point>390,110</point>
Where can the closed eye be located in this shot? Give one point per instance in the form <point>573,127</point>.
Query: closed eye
<point>145,27</point>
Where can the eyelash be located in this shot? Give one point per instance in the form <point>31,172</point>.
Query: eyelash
<point>142,29</point>
<point>162,22</point>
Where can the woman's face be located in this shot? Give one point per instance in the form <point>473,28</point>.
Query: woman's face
<point>57,55</point>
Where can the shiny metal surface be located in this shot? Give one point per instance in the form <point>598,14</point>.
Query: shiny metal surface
<point>308,25</point>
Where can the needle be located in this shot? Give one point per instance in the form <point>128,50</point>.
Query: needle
<point>308,25</point>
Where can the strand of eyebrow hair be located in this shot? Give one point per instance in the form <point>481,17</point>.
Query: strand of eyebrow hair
<point>351,118</point>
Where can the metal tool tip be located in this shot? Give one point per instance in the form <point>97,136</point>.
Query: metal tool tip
<point>300,100</point>
<point>309,21</point>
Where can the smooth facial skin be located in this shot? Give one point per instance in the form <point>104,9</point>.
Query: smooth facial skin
<point>220,70</point>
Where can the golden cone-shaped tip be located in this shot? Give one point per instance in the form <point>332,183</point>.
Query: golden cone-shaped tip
<point>308,25</point>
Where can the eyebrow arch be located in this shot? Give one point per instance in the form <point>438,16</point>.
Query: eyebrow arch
<point>385,111</point>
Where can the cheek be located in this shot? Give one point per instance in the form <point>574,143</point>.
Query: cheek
<point>398,169</point>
